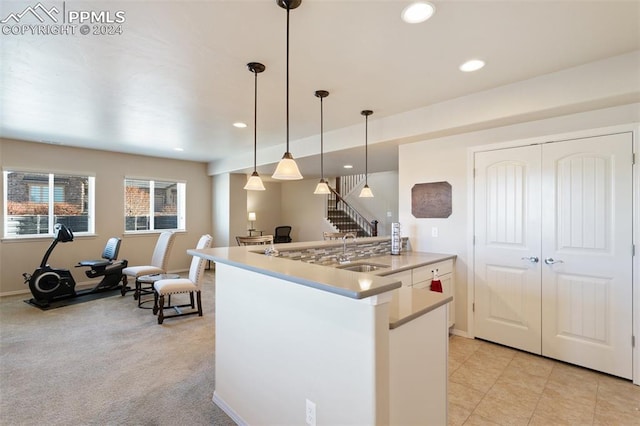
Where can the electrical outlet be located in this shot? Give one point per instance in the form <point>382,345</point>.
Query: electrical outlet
<point>311,413</point>
<point>434,231</point>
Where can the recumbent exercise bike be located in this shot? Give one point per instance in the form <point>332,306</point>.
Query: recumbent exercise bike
<point>48,284</point>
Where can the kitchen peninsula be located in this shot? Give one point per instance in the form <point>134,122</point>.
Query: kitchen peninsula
<point>298,332</point>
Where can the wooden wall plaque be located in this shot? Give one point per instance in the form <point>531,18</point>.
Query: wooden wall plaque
<point>431,200</point>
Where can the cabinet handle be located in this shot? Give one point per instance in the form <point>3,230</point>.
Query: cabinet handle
<point>532,259</point>
<point>551,261</point>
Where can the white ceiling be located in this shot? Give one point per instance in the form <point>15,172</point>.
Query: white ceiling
<point>177,75</point>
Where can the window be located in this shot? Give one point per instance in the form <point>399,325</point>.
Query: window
<point>35,201</point>
<point>154,205</point>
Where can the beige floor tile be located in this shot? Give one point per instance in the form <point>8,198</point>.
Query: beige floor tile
<point>476,378</point>
<point>534,365</point>
<point>571,388</point>
<point>484,359</point>
<point>457,414</point>
<point>464,396</point>
<point>564,409</point>
<point>462,345</point>
<point>521,377</point>
<point>493,385</point>
<point>476,420</point>
<point>618,395</point>
<point>509,411</point>
<point>515,392</point>
<point>538,420</point>
<point>453,365</point>
<point>496,350</point>
<point>574,375</point>
<point>615,417</point>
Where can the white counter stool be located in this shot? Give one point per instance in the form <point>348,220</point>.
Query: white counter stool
<point>159,264</point>
<point>189,285</point>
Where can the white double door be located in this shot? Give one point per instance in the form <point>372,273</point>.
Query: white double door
<point>553,250</point>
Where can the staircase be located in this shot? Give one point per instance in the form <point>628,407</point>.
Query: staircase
<point>341,220</point>
<point>345,218</point>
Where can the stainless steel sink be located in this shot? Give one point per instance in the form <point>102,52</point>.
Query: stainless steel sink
<point>362,267</point>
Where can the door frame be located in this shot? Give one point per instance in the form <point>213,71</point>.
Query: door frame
<point>634,129</point>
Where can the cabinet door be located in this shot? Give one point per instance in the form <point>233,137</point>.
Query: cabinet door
<point>447,288</point>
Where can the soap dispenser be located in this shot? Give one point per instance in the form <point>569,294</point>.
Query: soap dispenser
<point>396,240</point>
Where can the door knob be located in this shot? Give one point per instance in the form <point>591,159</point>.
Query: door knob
<point>551,261</point>
<point>532,259</point>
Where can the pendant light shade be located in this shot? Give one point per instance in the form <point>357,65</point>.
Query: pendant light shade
<point>322,188</point>
<point>255,183</point>
<point>287,168</point>
<point>366,191</point>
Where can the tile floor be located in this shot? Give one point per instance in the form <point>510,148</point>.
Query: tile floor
<point>491,384</point>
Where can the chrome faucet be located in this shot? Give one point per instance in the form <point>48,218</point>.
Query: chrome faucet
<point>344,258</point>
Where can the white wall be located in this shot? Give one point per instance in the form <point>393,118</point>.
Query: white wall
<point>279,343</point>
<point>447,159</point>
<point>267,206</point>
<point>384,205</point>
<point>110,169</point>
<point>303,210</point>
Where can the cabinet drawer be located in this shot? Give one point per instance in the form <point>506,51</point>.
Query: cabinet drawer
<point>424,273</point>
<point>423,284</point>
<point>404,276</point>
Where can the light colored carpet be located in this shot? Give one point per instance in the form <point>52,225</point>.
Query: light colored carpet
<point>106,362</point>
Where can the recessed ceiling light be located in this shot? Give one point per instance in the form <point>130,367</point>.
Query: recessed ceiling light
<point>348,166</point>
<point>178,149</point>
<point>472,65</point>
<point>240,125</point>
<point>418,12</point>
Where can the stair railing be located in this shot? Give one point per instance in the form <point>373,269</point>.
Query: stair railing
<point>347,184</point>
<point>370,228</point>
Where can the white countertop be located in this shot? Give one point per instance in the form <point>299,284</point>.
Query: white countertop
<point>409,303</point>
<point>355,285</point>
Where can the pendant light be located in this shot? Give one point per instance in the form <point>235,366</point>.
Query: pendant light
<point>366,191</point>
<point>322,188</point>
<point>255,183</point>
<point>287,168</point>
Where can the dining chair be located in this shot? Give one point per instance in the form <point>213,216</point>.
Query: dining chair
<point>191,285</point>
<point>159,265</point>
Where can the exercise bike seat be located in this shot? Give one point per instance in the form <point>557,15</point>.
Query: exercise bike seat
<point>109,254</point>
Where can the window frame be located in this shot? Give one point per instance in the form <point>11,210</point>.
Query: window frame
<point>51,200</point>
<point>181,205</point>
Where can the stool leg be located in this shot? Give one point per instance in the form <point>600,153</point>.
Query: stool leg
<point>199,303</point>
<point>155,302</point>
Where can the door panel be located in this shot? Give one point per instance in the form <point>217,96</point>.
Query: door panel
<point>507,224</point>
<point>586,229</point>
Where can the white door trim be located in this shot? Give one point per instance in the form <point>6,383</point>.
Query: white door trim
<point>634,128</point>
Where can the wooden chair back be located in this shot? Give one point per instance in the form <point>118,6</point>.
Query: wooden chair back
<point>254,241</point>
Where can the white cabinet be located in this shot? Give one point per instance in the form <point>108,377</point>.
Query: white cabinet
<point>405,277</point>
<point>421,278</point>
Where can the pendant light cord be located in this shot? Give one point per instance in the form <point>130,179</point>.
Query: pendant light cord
<point>321,142</point>
<point>255,121</point>
<point>366,149</point>
<point>287,74</point>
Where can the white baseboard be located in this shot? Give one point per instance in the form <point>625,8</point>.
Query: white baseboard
<point>460,333</point>
<point>228,410</point>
